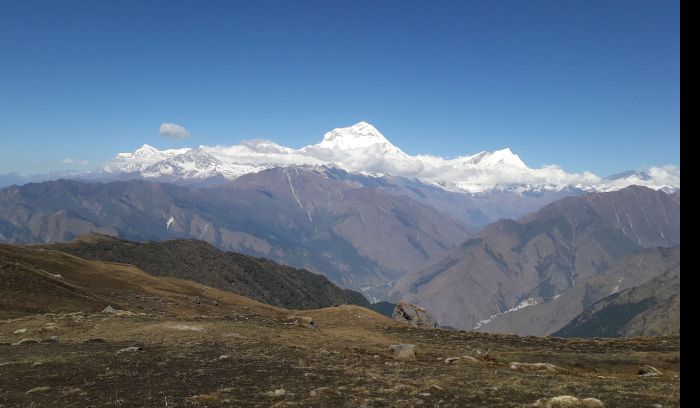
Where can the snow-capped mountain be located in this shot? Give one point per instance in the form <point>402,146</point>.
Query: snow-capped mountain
<point>362,148</point>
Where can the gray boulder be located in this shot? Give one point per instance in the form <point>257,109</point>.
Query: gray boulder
<point>404,351</point>
<point>414,315</point>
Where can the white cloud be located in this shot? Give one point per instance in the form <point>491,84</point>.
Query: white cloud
<point>173,131</point>
<point>73,161</point>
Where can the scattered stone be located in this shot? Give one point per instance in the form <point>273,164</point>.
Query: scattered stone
<point>109,309</point>
<point>284,404</point>
<point>648,371</point>
<point>26,341</point>
<point>186,327</point>
<point>461,360</point>
<point>303,321</point>
<point>534,367</point>
<point>130,349</point>
<point>437,387</point>
<point>117,312</point>
<point>424,394</point>
<point>403,388</point>
<point>19,331</point>
<point>278,392</point>
<point>38,389</point>
<point>567,401</point>
<point>48,328</point>
<point>414,315</point>
<point>74,391</point>
<point>404,351</point>
<point>227,390</point>
<point>52,339</point>
<point>323,392</point>
<point>224,357</point>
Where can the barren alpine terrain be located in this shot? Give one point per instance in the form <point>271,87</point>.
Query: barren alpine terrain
<point>79,333</point>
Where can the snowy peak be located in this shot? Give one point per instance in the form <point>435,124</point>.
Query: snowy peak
<point>363,149</point>
<point>358,136</point>
<point>642,175</point>
<point>197,157</point>
<point>146,151</point>
<point>503,157</point>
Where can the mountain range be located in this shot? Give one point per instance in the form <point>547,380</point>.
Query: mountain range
<point>512,265</point>
<point>650,309</point>
<point>360,149</point>
<point>483,241</point>
<point>630,272</point>
<point>358,237</point>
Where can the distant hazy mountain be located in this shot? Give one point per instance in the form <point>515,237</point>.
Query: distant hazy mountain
<point>512,265</point>
<point>359,237</point>
<point>198,261</point>
<point>650,309</point>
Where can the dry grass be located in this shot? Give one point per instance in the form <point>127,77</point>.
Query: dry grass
<point>344,362</point>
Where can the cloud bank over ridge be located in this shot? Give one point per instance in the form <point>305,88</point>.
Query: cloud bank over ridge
<point>363,149</point>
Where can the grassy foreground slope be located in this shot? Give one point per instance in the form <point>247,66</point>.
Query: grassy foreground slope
<point>181,344</point>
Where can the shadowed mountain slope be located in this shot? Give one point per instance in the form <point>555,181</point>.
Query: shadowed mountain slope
<point>650,309</point>
<point>547,317</point>
<point>198,261</point>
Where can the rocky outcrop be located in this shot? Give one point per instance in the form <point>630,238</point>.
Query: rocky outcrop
<point>414,315</point>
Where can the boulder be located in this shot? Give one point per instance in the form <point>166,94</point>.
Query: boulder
<point>648,371</point>
<point>25,341</point>
<point>567,401</point>
<point>109,309</point>
<point>414,315</point>
<point>533,366</point>
<point>130,349</point>
<point>117,312</point>
<point>303,321</point>
<point>461,360</point>
<point>404,351</point>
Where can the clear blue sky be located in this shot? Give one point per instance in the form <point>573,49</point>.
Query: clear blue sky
<point>589,85</point>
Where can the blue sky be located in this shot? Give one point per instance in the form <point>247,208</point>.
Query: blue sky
<point>588,85</point>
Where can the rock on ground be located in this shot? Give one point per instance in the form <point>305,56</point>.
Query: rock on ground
<point>461,360</point>
<point>567,401</point>
<point>414,315</point>
<point>533,366</point>
<point>648,371</point>
<point>404,351</point>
